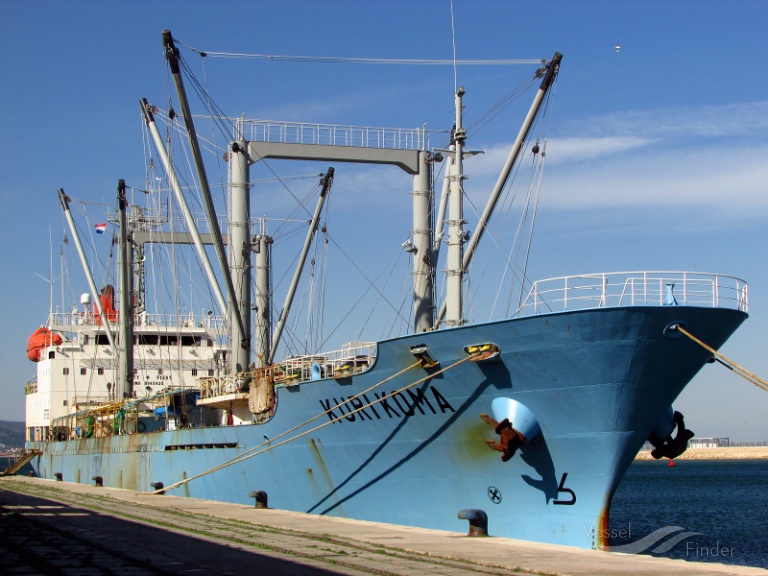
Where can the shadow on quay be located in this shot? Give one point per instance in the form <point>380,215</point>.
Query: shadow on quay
<point>38,535</point>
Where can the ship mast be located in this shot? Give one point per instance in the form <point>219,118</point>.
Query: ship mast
<point>451,308</point>
<point>125,367</point>
<point>423,254</point>
<point>84,261</point>
<point>173,180</point>
<point>240,359</point>
<point>327,180</point>
<point>456,238</point>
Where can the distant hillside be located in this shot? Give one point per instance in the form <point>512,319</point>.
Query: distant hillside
<point>11,435</point>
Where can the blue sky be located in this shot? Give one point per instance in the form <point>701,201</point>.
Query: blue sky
<point>657,154</point>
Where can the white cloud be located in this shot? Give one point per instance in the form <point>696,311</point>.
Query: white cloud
<point>566,149</point>
<point>570,149</point>
<point>732,179</point>
<point>730,120</point>
<point>697,158</point>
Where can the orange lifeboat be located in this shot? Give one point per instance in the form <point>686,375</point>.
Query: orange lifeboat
<point>107,298</point>
<point>42,338</point>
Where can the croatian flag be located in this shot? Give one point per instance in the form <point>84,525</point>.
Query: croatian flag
<point>100,228</point>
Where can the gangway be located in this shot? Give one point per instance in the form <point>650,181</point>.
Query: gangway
<point>25,457</point>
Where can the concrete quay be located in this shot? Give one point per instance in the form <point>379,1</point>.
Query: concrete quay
<point>49,527</point>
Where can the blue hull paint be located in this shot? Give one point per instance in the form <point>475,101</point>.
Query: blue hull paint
<point>597,381</point>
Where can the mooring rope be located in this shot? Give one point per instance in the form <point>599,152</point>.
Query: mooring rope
<point>728,363</point>
<point>348,400</point>
<point>270,445</point>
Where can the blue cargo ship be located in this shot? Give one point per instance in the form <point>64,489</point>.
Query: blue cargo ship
<point>523,426</point>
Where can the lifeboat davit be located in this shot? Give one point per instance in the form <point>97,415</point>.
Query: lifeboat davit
<point>42,338</point>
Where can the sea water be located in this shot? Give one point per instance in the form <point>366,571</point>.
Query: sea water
<point>703,511</point>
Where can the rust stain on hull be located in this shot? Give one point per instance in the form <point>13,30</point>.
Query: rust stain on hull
<point>325,492</point>
<point>473,448</point>
<point>601,541</point>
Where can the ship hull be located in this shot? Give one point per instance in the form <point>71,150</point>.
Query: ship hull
<point>597,381</point>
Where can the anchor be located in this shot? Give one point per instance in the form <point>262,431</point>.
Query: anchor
<point>670,447</point>
<point>509,438</point>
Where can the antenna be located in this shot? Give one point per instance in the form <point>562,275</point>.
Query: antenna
<point>50,280</point>
<point>453,41</point>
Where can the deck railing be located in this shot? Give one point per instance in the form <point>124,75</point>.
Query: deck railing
<point>77,320</point>
<point>331,135</point>
<point>353,358</point>
<point>653,288</point>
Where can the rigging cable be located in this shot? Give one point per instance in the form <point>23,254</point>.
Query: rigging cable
<point>485,119</point>
<point>524,274</point>
<point>218,116</point>
<point>268,445</point>
<point>376,61</point>
<point>513,253</point>
<point>268,442</point>
<point>501,105</point>
<point>397,314</point>
<point>548,113</point>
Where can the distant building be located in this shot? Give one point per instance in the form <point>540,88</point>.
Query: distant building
<point>698,443</point>
<point>708,442</point>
